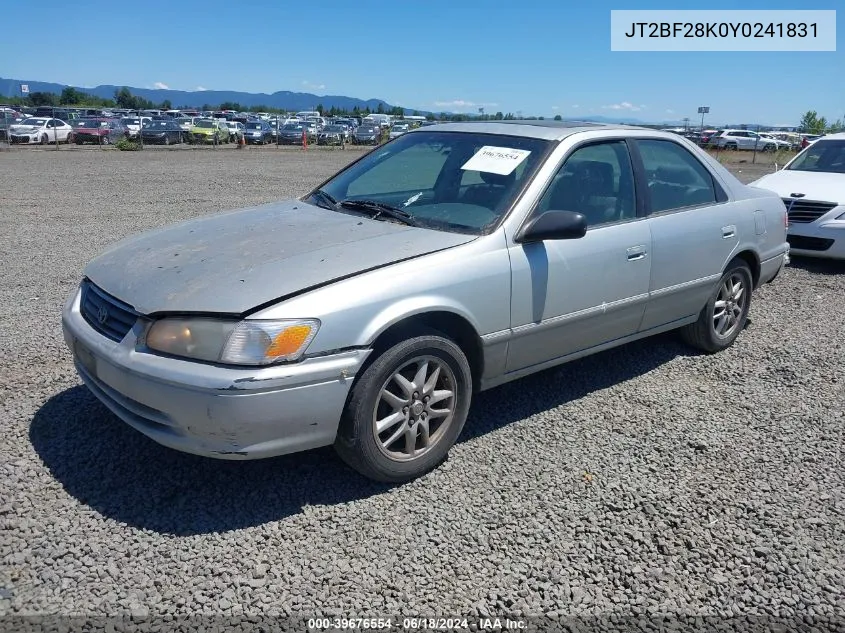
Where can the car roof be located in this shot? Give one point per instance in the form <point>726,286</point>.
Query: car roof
<point>545,130</point>
<point>838,136</point>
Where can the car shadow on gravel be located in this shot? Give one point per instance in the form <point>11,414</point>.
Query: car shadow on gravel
<point>565,383</point>
<point>127,477</point>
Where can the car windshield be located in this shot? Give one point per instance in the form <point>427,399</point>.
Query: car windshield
<point>254,126</point>
<point>159,124</point>
<point>204,123</point>
<point>824,156</point>
<point>88,123</point>
<point>366,129</point>
<point>451,181</point>
<point>292,126</point>
<point>130,121</point>
<point>38,122</point>
<point>332,128</point>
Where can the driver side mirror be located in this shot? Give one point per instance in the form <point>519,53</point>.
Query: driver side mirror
<point>553,225</point>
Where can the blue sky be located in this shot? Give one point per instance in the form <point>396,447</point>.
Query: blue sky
<point>540,57</point>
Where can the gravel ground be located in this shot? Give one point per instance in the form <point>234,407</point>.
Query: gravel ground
<point>645,480</point>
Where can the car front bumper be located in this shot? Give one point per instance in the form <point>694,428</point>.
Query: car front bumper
<point>822,238</point>
<point>211,410</point>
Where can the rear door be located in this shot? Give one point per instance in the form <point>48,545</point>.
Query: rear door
<point>693,229</point>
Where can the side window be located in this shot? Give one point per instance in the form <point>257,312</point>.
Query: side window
<point>676,179</point>
<point>596,180</point>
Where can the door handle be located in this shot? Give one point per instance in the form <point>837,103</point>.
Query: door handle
<point>636,252</point>
<point>728,231</point>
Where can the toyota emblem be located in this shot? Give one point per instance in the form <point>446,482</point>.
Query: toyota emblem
<point>102,315</point>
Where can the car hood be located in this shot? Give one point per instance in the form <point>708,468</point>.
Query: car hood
<point>236,261</point>
<point>814,185</point>
<point>24,128</point>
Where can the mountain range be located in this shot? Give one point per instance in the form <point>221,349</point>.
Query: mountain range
<point>284,99</point>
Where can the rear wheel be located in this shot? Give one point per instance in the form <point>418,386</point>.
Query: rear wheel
<point>731,146</point>
<point>726,312</point>
<point>105,139</point>
<point>166,140</point>
<point>769,147</point>
<point>406,409</point>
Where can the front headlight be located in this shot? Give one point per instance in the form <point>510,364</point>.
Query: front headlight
<point>248,342</point>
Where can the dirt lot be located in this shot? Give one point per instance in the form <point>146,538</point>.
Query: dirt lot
<point>646,480</point>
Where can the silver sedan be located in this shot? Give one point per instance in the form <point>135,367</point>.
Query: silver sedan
<point>454,259</point>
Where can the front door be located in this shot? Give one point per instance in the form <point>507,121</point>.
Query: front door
<point>571,295</point>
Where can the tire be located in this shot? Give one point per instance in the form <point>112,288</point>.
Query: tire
<point>705,334</point>
<point>216,140</point>
<point>106,140</point>
<point>78,141</point>
<point>44,139</point>
<point>387,456</point>
<point>166,140</point>
<point>769,147</point>
<point>731,146</point>
<point>69,138</point>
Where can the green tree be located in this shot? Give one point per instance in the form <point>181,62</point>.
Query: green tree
<point>320,108</point>
<point>836,126</point>
<point>812,123</point>
<point>380,109</point>
<point>70,96</point>
<point>124,98</point>
<point>558,117</point>
<point>43,99</point>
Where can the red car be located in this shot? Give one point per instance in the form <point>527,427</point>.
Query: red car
<point>98,131</point>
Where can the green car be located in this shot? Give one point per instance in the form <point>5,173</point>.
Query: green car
<point>209,131</point>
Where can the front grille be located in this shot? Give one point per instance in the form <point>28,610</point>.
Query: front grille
<point>804,243</point>
<point>803,211</point>
<point>108,316</point>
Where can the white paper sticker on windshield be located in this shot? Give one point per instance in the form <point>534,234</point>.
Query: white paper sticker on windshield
<point>496,160</point>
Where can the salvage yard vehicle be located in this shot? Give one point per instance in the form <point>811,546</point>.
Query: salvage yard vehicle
<point>744,139</point>
<point>209,131</point>
<point>163,132</point>
<point>99,131</point>
<point>332,135</point>
<point>41,130</point>
<point>455,258</point>
<point>367,133</point>
<point>812,186</point>
<point>258,132</point>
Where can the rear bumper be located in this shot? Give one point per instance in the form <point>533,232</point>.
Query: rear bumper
<point>210,410</point>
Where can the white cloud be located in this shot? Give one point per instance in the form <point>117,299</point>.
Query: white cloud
<point>669,111</point>
<point>575,106</point>
<point>629,107</point>
<point>555,107</point>
<point>461,104</point>
<point>161,86</point>
<point>308,85</point>
<point>200,88</point>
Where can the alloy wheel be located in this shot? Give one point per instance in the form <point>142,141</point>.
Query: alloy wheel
<point>415,408</point>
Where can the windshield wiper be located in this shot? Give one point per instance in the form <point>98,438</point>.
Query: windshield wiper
<point>379,209</point>
<point>328,201</point>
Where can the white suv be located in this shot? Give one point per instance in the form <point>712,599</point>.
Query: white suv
<point>745,139</point>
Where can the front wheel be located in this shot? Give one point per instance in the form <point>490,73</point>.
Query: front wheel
<point>726,312</point>
<point>44,139</point>
<point>406,409</point>
<point>106,140</point>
